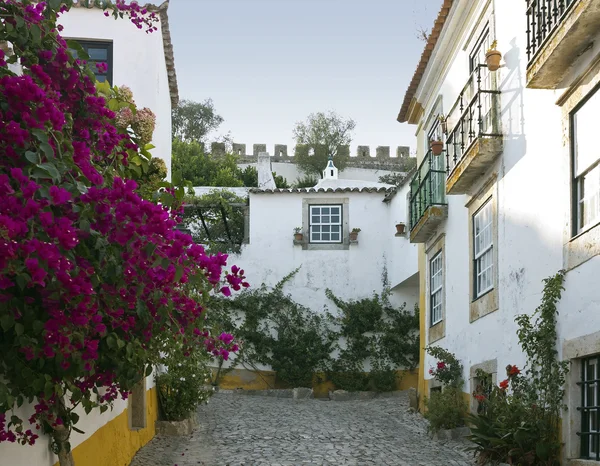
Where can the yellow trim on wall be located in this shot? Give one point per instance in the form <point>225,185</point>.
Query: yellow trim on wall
<point>115,444</point>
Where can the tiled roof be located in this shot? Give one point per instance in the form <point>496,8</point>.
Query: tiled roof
<point>425,56</point>
<point>166,36</point>
<point>323,190</point>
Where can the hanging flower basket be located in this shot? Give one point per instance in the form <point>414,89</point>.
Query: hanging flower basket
<point>436,147</point>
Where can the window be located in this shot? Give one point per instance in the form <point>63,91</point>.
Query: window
<point>477,55</point>
<point>436,287</point>
<point>590,391</point>
<point>99,52</point>
<point>586,169</point>
<point>325,223</point>
<point>483,250</point>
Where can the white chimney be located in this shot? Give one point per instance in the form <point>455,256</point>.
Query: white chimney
<point>330,172</point>
<point>265,173</point>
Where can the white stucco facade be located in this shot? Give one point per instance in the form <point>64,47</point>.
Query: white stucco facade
<point>138,62</point>
<point>530,186</point>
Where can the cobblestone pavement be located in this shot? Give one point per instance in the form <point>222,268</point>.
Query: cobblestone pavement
<point>251,430</point>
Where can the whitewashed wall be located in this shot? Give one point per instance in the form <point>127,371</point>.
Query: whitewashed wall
<point>350,274</point>
<point>138,62</point>
<point>40,455</point>
<point>533,196</point>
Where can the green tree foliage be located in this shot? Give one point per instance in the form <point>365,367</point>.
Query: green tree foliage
<point>216,220</point>
<point>151,181</point>
<point>325,133</point>
<point>191,163</point>
<point>307,181</point>
<point>193,121</point>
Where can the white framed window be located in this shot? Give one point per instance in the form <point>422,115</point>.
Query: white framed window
<point>325,223</point>
<point>483,250</point>
<point>586,166</point>
<point>436,285</point>
<point>590,430</point>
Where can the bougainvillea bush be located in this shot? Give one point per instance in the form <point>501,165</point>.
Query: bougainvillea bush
<point>91,275</point>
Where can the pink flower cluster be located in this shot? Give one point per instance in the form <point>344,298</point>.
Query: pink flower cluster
<point>86,266</point>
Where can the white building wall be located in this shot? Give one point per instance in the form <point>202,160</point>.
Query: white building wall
<point>533,198</point>
<point>138,62</point>
<point>39,454</point>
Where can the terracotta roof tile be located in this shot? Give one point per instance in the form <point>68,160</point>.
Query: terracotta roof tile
<point>425,56</point>
<point>321,190</point>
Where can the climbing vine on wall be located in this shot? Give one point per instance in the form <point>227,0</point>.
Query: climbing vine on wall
<point>276,331</point>
<point>371,330</point>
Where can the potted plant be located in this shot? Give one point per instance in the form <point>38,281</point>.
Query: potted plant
<point>493,57</point>
<point>400,228</point>
<point>354,234</point>
<point>298,234</point>
<point>436,147</point>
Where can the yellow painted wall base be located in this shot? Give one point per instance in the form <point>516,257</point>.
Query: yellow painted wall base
<point>264,380</point>
<point>115,444</point>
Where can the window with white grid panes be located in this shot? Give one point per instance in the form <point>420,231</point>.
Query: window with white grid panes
<point>483,250</point>
<point>586,163</point>
<point>325,223</point>
<point>436,285</point>
<point>590,399</point>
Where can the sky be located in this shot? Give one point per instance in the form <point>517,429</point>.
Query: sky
<point>268,64</point>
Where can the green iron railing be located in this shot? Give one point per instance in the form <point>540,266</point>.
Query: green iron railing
<point>428,187</point>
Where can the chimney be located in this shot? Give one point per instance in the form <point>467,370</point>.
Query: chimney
<point>265,174</point>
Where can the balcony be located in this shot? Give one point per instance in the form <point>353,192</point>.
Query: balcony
<point>427,199</point>
<point>558,32</point>
<point>475,139</point>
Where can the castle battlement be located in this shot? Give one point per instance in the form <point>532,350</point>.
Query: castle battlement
<point>280,152</point>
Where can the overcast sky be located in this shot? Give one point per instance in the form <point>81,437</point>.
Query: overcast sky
<point>269,63</point>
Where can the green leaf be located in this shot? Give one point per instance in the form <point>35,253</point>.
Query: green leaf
<point>19,328</point>
<point>81,53</point>
<point>38,327</point>
<point>50,169</point>
<point>36,33</point>
<point>79,431</point>
<point>111,341</point>
<point>47,149</point>
<point>55,4</point>
<point>178,273</point>
<point>7,321</point>
<point>40,134</point>
<point>74,417</point>
<point>32,157</point>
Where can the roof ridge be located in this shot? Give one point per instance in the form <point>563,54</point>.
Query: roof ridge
<point>438,25</point>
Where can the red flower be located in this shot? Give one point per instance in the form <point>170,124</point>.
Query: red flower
<point>431,371</point>
<point>441,365</point>
<point>504,384</point>
<point>513,370</point>
<point>480,398</point>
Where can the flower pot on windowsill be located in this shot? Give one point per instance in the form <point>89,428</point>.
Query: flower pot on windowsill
<point>436,147</point>
<point>353,236</point>
<point>298,236</point>
<point>400,228</point>
<point>492,59</point>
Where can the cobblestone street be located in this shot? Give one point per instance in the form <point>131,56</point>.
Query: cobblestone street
<point>252,430</point>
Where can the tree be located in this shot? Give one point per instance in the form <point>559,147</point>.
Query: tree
<point>193,121</point>
<point>92,277</point>
<point>325,134</point>
<point>192,164</point>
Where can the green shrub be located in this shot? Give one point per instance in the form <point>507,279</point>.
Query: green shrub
<point>384,380</point>
<point>446,409</point>
<point>182,388</point>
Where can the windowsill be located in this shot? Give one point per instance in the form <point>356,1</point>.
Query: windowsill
<point>583,232</point>
<point>482,295</point>
<point>436,332</point>
<point>325,246</point>
<point>582,247</point>
<point>484,305</point>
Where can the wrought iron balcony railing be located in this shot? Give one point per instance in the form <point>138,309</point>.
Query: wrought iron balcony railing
<point>543,18</point>
<point>427,188</point>
<point>475,114</point>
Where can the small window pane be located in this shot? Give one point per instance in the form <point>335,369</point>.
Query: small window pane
<point>316,219</point>
<point>336,228</point>
<point>335,210</point>
<point>335,219</point>
<point>325,237</point>
<point>324,210</point>
<point>325,219</point>
<point>325,228</point>
<point>335,237</point>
